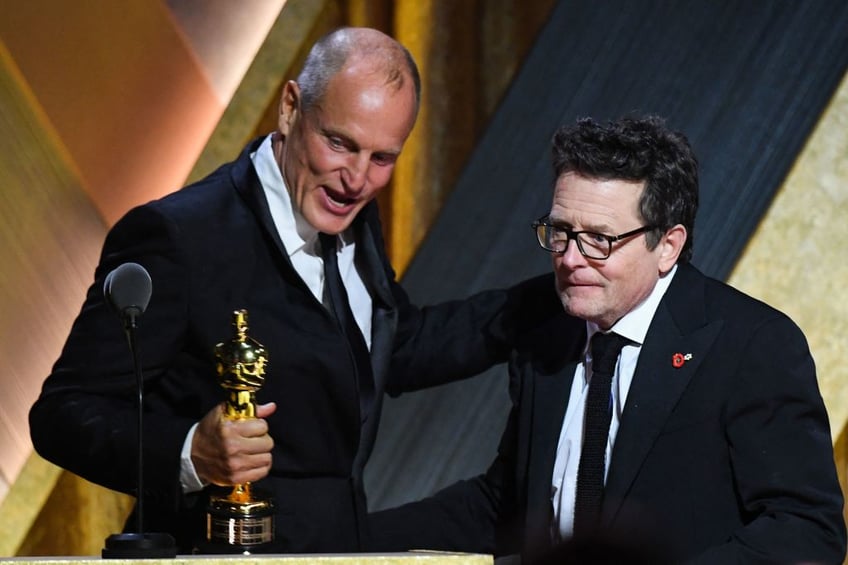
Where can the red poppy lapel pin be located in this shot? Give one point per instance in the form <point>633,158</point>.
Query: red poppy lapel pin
<point>678,359</point>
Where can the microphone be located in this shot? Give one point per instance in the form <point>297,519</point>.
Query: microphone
<point>127,290</point>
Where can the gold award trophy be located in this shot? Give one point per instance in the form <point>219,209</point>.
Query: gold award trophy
<point>243,520</point>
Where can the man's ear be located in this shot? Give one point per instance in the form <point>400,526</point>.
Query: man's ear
<point>670,247</point>
<point>289,107</point>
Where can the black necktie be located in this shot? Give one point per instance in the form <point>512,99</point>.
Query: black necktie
<point>590,473</point>
<point>341,306</point>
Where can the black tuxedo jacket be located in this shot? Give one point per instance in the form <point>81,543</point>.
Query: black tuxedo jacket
<point>725,459</point>
<point>212,248</point>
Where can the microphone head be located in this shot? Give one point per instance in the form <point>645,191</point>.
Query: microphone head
<point>128,288</point>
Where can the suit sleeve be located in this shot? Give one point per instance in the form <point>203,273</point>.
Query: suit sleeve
<point>475,515</point>
<point>781,456</point>
<point>461,338</point>
<point>456,339</point>
<point>85,419</point>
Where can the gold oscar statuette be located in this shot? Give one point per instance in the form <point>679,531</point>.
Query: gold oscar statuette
<point>241,521</point>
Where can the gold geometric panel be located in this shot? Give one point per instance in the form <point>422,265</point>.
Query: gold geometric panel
<point>796,260</point>
<point>253,108</point>
<point>51,236</point>
<point>122,89</point>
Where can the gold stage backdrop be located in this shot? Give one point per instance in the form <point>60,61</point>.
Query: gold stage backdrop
<point>104,105</point>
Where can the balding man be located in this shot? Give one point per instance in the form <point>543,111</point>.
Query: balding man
<point>251,236</point>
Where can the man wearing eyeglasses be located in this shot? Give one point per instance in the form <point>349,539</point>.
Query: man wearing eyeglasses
<point>664,416</point>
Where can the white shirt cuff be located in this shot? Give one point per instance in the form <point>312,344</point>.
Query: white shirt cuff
<point>189,480</point>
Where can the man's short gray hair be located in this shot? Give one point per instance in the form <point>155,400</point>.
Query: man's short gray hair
<point>330,54</point>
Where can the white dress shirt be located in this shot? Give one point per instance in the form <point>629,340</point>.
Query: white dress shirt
<point>633,326</point>
<point>302,245</point>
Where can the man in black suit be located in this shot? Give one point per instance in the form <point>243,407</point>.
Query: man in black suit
<point>250,236</point>
<point>701,437</point>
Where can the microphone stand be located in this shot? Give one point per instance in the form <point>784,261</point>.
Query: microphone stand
<point>138,545</point>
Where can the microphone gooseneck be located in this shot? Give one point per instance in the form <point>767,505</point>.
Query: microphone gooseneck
<point>127,290</point>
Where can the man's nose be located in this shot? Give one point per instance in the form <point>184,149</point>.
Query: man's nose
<point>356,171</point>
<point>572,256</point>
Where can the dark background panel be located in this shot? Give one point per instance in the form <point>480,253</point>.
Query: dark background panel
<point>745,81</point>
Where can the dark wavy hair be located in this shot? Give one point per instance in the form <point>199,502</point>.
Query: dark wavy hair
<point>637,149</point>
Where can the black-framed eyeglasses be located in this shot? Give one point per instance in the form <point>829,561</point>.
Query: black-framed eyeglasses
<point>591,245</point>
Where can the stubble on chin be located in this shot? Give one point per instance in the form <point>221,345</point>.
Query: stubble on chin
<point>582,307</point>
<point>567,303</point>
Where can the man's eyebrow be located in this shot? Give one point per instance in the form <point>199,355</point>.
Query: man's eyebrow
<point>329,132</point>
<point>354,146</point>
<point>559,223</point>
<point>388,153</point>
<point>602,229</point>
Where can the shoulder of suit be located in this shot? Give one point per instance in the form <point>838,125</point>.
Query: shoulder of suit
<point>720,301</point>
<point>555,341</point>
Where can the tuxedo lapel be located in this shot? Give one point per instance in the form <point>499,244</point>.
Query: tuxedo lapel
<point>384,318</point>
<point>677,341</point>
<point>371,263</point>
<point>551,387</point>
<point>550,399</point>
<point>370,257</point>
<point>247,184</point>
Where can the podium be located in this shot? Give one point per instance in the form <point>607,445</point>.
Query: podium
<point>407,558</point>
